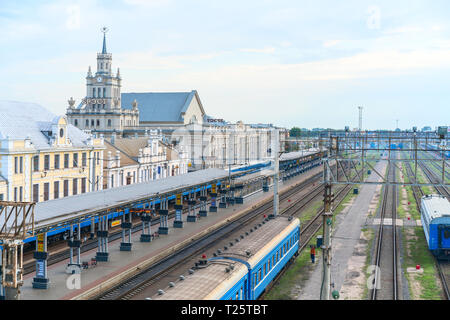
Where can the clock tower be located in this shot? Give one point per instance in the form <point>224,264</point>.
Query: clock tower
<point>101,110</point>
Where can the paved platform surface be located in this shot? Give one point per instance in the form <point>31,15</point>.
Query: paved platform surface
<point>345,238</point>
<point>121,261</point>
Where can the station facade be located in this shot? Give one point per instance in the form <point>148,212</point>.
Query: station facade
<point>180,117</point>
<point>141,159</point>
<point>43,157</point>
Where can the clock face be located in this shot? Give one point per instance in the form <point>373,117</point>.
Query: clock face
<point>99,79</point>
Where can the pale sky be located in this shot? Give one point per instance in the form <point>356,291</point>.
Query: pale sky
<point>291,63</point>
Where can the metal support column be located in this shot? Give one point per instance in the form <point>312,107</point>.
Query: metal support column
<point>276,176</point>
<point>92,233</point>
<point>192,216</point>
<point>74,244</point>
<point>163,216</point>
<point>265,184</point>
<point>41,281</point>
<point>231,199</point>
<point>223,195</point>
<point>240,198</point>
<point>102,235</point>
<point>326,247</point>
<point>146,218</point>
<point>2,289</point>
<point>126,226</point>
<point>12,268</point>
<point>178,222</point>
<point>203,198</point>
<point>213,194</point>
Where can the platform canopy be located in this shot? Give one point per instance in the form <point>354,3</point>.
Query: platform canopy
<point>58,211</point>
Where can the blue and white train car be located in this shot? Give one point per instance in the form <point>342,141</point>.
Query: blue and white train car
<point>242,271</point>
<point>435,217</point>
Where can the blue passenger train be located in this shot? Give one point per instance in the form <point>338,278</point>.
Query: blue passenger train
<point>435,217</point>
<point>292,167</point>
<point>244,271</point>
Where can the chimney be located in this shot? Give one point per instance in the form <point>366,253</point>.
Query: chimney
<point>140,157</point>
<point>110,159</point>
<point>117,158</point>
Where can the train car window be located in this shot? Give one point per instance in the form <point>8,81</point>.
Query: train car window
<point>237,295</point>
<point>265,269</point>
<point>446,234</point>
<point>254,282</point>
<point>242,298</point>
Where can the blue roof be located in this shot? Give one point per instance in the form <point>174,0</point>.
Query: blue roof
<point>159,106</point>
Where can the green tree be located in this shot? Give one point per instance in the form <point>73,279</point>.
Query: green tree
<point>295,132</point>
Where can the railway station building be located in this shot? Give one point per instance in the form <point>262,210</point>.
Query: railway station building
<point>42,157</point>
<point>141,159</point>
<point>179,116</point>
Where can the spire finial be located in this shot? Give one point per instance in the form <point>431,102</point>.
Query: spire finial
<point>104,30</point>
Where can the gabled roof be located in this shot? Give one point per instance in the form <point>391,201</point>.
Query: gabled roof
<point>21,120</point>
<point>160,106</point>
<point>125,159</point>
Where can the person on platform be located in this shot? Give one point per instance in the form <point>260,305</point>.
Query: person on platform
<point>313,253</point>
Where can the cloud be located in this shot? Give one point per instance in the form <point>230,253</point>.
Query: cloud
<point>330,43</point>
<point>404,29</point>
<point>147,3</point>
<point>259,50</point>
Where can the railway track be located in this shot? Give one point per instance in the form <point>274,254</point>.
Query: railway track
<point>307,233</point>
<point>417,191</point>
<point>443,267</point>
<point>139,283</point>
<point>433,179</point>
<point>386,272</point>
<point>93,243</point>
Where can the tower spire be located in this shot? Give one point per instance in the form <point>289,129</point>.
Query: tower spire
<point>104,30</point>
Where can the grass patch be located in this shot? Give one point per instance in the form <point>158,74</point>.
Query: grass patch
<point>369,234</point>
<point>298,272</point>
<point>302,267</point>
<point>417,253</point>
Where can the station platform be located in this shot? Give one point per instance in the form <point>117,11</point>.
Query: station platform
<point>123,264</point>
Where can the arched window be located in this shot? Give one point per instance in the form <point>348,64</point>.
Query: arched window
<point>109,122</point>
<point>92,122</point>
<point>93,92</point>
<point>98,123</point>
<point>87,123</point>
<point>76,123</point>
<point>104,92</point>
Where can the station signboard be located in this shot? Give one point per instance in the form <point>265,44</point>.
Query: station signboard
<point>115,223</point>
<point>40,242</point>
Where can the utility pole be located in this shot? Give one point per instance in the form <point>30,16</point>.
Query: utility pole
<point>327,224</point>
<point>360,118</point>
<point>276,176</point>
